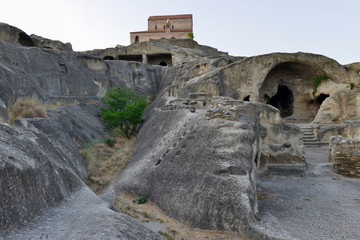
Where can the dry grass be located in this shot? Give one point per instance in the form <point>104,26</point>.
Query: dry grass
<point>150,212</point>
<point>26,108</point>
<point>104,163</point>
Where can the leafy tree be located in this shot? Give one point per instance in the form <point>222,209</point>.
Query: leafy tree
<point>124,110</point>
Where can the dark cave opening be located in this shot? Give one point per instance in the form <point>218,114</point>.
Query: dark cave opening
<point>321,98</point>
<point>25,40</point>
<point>283,100</point>
<point>163,63</point>
<point>247,98</point>
<point>108,58</point>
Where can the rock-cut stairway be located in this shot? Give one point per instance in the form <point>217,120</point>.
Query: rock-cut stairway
<point>309,137</point>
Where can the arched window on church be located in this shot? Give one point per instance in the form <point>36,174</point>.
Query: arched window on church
<point>172,27</point>
<point>155,27</point>
<point>137,39</point>
<point>164,27</point>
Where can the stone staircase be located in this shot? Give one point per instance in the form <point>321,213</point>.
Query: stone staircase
<point>309,137</point>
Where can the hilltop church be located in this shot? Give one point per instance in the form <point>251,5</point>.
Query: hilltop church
<point>167,26</point>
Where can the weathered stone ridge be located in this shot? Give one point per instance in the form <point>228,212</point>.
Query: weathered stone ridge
<point>52,76</point>
<point>40,162</point>
<point>345,155</point>
<point>199,164</point>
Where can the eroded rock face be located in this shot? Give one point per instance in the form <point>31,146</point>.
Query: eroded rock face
<point>15,35</point>
<point>40,164</point>
<point>83,216</point>
<point>50,44</point>
<point>341,105</point>
<point>281,79</point>
<point>199,165</point>
<point>58,76</point>
<point>40,167</point>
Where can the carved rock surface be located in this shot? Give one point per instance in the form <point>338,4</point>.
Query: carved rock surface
<point>83,216</point>
<point>40,168</point>
<point>58,76</point>
<point>40,164</point>
<point>199,169</point>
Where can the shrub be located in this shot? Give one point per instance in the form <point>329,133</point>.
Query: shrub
<point>190,35</point>
<point>352,86</point>
<point>124,110</point>
<point>26,108</point>
<point>110,142</point>
<point>316,84</point>
<point>141,200</point>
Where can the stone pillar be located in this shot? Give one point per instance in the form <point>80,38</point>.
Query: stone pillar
<point>144,58</point>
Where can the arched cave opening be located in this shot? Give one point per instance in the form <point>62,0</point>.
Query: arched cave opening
<point>283,100</point>
<point>25,40</point>
<point>108,58</point>
<point>321,98</point>
<point>247,98</point>
<point>163,63</point>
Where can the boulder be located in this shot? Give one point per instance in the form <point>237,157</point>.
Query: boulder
<point>340,106</point>
<point>199,167</point>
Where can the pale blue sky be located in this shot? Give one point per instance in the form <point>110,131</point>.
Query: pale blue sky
<point>242,28</point>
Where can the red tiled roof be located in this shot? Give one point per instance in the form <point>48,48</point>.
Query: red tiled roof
<point>165,17</point>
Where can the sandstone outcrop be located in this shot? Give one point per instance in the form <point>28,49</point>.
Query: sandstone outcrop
<point>50,44</point>
<point>258,79</point>
<point>200,164</point>
<point>14,35</point>
<point>41,166</point>
<point>67,76</point>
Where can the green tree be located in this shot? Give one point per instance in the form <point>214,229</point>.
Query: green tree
<point>124,110</point>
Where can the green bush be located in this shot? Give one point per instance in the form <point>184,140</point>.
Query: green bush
<point>352,86</point>
<point>110,142</point>
<point>141,200</point>
<point>190,35</point>
<point>124,110</point>
<point>316,84</point>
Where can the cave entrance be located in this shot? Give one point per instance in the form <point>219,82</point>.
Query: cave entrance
<point>321,98</point>
<point>283,100</point>
<point>108,58</point>
<point>163,63</point>
<point>25,40</point>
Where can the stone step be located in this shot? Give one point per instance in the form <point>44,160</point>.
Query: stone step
<point>309,136</point>
<point>308,133</point>
<point>316,144</point>
<point>286,169</point>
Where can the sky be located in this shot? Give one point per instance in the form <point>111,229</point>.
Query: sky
<point>239,27</point>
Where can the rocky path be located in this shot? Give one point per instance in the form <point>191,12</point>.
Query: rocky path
<point>83,216</point>
<point>318,205</point>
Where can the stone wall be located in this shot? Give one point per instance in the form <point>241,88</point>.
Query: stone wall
<point>179,24</point>
<point>345,154</point>
<point>146,36</point>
